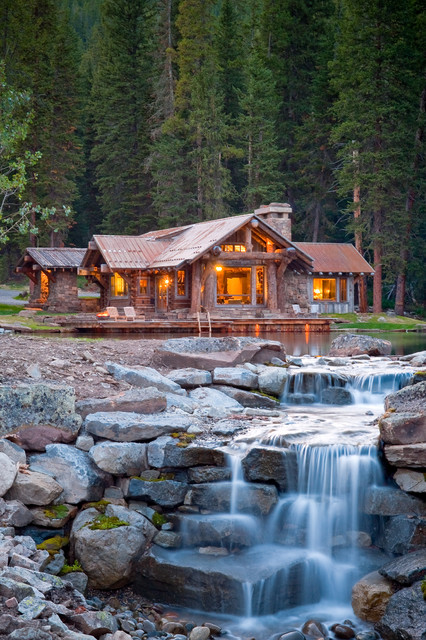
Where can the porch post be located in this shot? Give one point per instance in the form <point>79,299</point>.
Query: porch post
<point>253,285</point>
<point>196,287</point>
<point>272,285</point>
<point>209,297</point>
<point>280,283</point>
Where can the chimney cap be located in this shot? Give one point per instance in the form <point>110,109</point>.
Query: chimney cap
<point>274,207</point>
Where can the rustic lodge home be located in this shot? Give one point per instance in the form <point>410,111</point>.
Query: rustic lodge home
<point>240,265</point>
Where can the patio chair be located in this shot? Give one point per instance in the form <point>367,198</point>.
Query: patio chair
<point>130,314</point>
<point>113,313</point>
<point>296,309</point>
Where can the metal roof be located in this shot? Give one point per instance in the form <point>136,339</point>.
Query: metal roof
<point>334,257</point>
<point>129,252</point>
<point>54,257</point>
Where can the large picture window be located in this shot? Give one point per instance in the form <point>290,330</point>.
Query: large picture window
<point>233,285</point>
<point>119,287</point>
<point>324,288</point>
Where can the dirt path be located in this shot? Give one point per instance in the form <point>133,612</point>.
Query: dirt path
<point>78,363</point>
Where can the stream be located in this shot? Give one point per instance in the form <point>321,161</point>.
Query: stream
<point>300,560</point>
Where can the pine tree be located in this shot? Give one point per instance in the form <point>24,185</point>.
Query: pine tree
<point>376,77</point>
<point>120,99</point>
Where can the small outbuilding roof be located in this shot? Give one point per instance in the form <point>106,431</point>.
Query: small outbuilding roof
<point>331,257</point>
<point>56,257</point>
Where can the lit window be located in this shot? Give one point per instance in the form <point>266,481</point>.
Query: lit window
<point>143,286</point>
<point>234,285</point>
<point>118,286</point>
<point>181,283</point>
<point>233,247</point>
<point>343,290</point>
<point>324,288</point>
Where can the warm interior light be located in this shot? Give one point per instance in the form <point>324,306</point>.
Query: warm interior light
<point>219,268</point>
<point>166,281</point>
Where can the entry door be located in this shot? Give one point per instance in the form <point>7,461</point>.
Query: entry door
<point>161,293</point>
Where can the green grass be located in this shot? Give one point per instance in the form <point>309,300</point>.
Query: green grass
<point>9,310</point>
<point>370,321</point>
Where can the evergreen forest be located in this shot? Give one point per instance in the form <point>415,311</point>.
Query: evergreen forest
<point>122,116</point>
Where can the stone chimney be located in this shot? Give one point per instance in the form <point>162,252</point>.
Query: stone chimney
<point>277,215</point>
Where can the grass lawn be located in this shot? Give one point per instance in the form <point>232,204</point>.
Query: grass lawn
<point>9,315</point>
<point>378,321</point>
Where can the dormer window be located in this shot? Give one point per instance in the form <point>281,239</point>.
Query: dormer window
<point>233,247</point>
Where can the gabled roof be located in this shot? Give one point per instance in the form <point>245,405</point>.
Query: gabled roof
<point>331,257</point>
<point>129,252</point>
<point>55,257</point>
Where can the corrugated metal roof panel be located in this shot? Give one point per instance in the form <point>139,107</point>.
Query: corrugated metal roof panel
<point>55,257</point>
<point>198,238</point>
<point>129,252</point>
<point>334,257</point>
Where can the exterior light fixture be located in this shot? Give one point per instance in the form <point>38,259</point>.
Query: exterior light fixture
<point>166,281</point>
<point>218,268</point>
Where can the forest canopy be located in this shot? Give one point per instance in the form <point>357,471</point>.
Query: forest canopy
<point>132,115</point>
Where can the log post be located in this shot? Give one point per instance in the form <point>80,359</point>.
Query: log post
<point>272,301</point>
<point>209,297</point>
<point>196,287</point>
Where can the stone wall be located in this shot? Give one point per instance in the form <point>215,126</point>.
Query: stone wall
<point>293,289</point>
<point>63,293</point>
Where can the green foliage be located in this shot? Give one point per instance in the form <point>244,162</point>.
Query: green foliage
<point>56,511</point>
<point>158,519</point>
<point>53,545</point>
<point>100,506</point>
<point>103,523</point>
<point>71,568</point>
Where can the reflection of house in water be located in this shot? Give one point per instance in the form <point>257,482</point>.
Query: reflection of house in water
<point>247,264</point>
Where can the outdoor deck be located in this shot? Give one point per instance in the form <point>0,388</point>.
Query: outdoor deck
<point>238,325</point>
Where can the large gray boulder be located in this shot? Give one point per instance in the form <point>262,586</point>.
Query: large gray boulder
<point>108,555</point>
<point>218,531</point>
<point>189,378</point>
<point>47,404</point>
<point>34,488</point>
<point>8,473</point>
<point>402,534</point>
<point>267,464</point>
<point>272,380</point>
<point>336,395</point>
<point>149,400</point>
<point>143,377</point>
<point>73,469</point>
<point>408,399</point>
<point>14,514</point>
<point>350,344</point>
<point>209,353</point>
<point>207,397</point>
<point>403,428</point>
<point>166,452</point>
<point>166,493</point>
<point>404,617</point>
<point>134,427</point>
<point>120,458</point>
<point>235,376</point>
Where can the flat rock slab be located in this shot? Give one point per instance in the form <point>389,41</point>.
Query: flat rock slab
<point>263,464</point>
<point>387,501</point>
<point>143,377</point>
<point>215,583</point>
<point>134,427</point>
<point>81,479</point>
<point>251,498</point>
<point>407,569</point>
<point>24,404</point>
<point>37,437</point>
<point>166,493</point>
<point>166,452</point>
<point>120,458</point>
<point>189,378</point>
<point>207,397</point>
<point>34,488</point>
<point>410,480</point>
<point>406,455</point>
<point>148,400</point>
<point>236,377</point>
<point>404,616</point>
<point>248,398</point>
<point>403,428</point>
<point>272,380</point>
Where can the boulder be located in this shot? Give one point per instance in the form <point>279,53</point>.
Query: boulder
<point>166,452</point>
<point>134,427</point>
<point>403,428</point>
<point>13,451</point>
<point>406,569</point>
<point>404,616</point>
<point>120,458</point>
<point>14,514</point>
<point>54,516</point>
<point>253,498</point>
<point>189,378</point>
<point>337,396</point>
<point>272,380</point>
<point>148,400</point>
<point>406,455</point>
<point>387,501</point>
<point>207,397</point>
<point>209,353</point>
<point>411,481</point>
<point>235,377</point>
<point>198,475</point>
<point>370,596</point>
<point>219,531</point>
<point>267,464</point>
<point>350,344</point>
<point>143,377</point>
<point>108,555</point>
<point>35,488</point>
<point>166,493</point>
<point>402,534</point>
<point>79,476</point>
<point>48,404</point>
<point>8,473</point>
<point>94,623</point>
<point>247,398</point>
<point>37,437</point>
<point>181,403</point>
<point>410,399</point>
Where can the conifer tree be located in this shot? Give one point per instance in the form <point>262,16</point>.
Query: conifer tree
<point>120,99</point>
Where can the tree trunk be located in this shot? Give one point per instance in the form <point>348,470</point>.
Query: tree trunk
<point>377,280</point>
